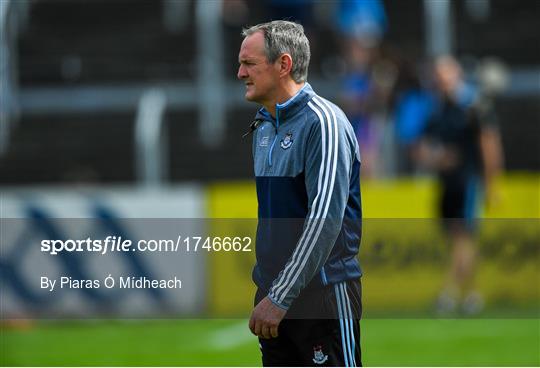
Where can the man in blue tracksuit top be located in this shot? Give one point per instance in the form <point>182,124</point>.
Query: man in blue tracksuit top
<point>307,167</point>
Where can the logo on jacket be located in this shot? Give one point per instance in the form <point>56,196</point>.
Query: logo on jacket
<point>318,356</point>
<point>264,141</point>
<point>287,141</point>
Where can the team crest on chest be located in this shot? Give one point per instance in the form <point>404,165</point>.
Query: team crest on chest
<point>318,356</point>
<point>287,141</point>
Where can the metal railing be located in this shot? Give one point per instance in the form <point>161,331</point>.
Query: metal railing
<point>13,18</point>
<point>151,146</point>
<point>7,100</point>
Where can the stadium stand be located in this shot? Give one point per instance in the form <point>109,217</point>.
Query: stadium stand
<point>70,44</point>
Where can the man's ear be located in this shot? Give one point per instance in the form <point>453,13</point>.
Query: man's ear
<point>285,65</point>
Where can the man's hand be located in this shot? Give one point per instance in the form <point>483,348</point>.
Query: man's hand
<point>265,319</point>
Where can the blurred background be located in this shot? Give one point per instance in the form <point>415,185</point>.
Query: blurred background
<point>131,109</point>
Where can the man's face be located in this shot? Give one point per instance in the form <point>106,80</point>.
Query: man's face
<point>260,77</point>
<point>447,75</point>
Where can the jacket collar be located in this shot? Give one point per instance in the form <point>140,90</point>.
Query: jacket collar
<point>290,107</point>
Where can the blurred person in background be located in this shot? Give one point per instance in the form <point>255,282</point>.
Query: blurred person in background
<point>368,78</point>
<point>412,107</point>
<point>462,144</point>
<point>307,167</point>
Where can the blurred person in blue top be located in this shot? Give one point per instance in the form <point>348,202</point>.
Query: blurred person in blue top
<point>461,144</point>
<point>412,108</point>
<point>361,25</point>
<point>362,19</point>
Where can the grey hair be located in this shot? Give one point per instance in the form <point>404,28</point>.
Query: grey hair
<point>281,36</point>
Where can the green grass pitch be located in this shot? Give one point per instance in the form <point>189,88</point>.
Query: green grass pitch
<point>385,342</point>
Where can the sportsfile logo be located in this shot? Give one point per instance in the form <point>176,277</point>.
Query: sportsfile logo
<point>111,243</point>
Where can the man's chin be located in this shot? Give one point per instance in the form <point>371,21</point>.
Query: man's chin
<point>250,97</point>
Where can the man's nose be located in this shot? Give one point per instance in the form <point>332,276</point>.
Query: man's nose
<point>241,72</point>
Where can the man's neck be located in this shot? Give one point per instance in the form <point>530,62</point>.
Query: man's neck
<point>286,93</point>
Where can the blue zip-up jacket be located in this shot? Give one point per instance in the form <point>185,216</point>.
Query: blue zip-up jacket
<point>307,167</point>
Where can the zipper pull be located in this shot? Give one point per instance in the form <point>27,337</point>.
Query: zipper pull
<point>253,126</point>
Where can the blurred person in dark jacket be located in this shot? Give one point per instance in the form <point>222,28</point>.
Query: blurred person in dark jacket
<point>461,144</point>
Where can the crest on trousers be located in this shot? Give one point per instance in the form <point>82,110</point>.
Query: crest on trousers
<point>287,141</point>
<point>318,356</point>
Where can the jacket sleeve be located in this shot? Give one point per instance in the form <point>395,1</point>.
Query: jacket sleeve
<point>328,163</point>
